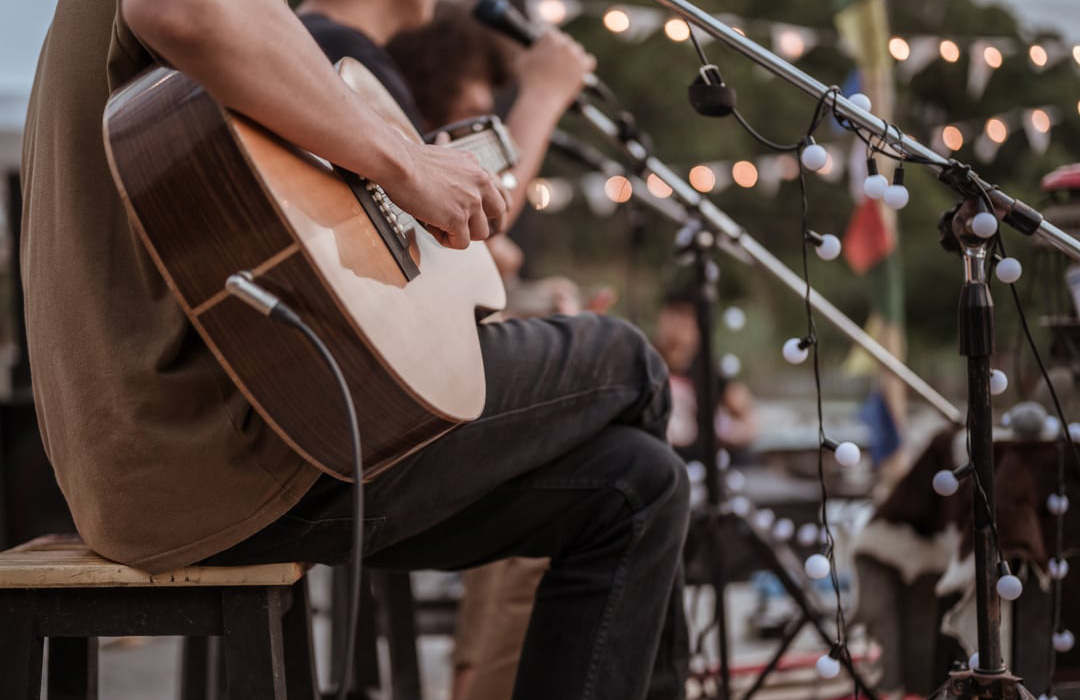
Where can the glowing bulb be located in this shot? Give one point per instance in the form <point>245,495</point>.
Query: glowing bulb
<point>734,318</point>
<point>730,365</point>
<point>764,519</point>
<point>552,11</point>
<point>618,189</point>
<point>996,130</point>
<point>945,483</point>
<point>1009,587</point>
<point>1009,270</point>
<point>1074,432</point>
<point>953,138</point>
<point>827,667</point>
<point>807,535</point>
<point>736,481</point>
<point>847,454</point>
<point>999,382</point>
<point>744,173</point>
<point>817,566</point>
<point>874,186</point>
<point>740,506</point>
<point>1063,641</point>
<point>1057,568</point>
<point>1038,56</point>
<point>829,248</point>
<point>617,21</point>
<point>790,44</point>
<point>539,194</point>
<point>658,187</point>
<point>861,101</point>
<point>677,29</point>
<point>794,352</point>
<point>992,56</point>
<point>1076,53</point>
<point>899,49</point>
<point>702,178</point>
<point>1040,120</point>
<point>1052,426</point>
<point>984,224</point>
<point>896,197</point>
<point>814,157</point>
<point>949,51</point>
<point>1057,504</point>
<point>783,530</point>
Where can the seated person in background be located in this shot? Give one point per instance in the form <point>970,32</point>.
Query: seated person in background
<point>678,341</point>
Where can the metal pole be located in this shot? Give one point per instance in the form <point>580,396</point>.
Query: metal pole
<point>734,240</point>
<point>1021,216</point>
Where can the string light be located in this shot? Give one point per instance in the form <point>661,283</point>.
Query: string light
<point>790,44</point>
<point>1076,53</point>
<point>539,194</point>
<point>953,138</point>
<point>744,173</point>
<point>677,29</point>
<point>1040,120</point>
<point>1038,56</point>
<point>702,178</point>
<point>899,49</point>
<point>617,21</point>
<point>814,157</point>
<point>658,187</point>
<point>996,130</point>
<point>817,566</point>
<point>999,382</point>
<point>1009,270</point>
<point>992,56</point>
<point>552,11</point>
<point>618,189</point>
<point>949,50</point>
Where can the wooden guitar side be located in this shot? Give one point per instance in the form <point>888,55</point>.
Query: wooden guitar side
<point>211,193</point>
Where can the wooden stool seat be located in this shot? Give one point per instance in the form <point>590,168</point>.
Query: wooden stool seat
<point>64,561</point>
<point>55,588</point>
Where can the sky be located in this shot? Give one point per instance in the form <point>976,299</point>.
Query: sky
<point>1060,15</point>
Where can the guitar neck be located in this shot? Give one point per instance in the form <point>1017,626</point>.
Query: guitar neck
<point>488,149</point>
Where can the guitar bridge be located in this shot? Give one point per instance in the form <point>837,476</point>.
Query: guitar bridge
<point>392,223</point>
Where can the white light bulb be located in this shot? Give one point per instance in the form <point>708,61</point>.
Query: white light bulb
<point>1074,432</point>
<point>973,661</point>
<point>1057,504</point>
<point>829,248</point>
<point>984,224</point>
<point>783,530</point>
<point>896,197</point>
<point>1064,641</point>
<point>814,157</point>
<point>807,535</point>
<point>1058,568</point>
<point>1043,697</point>
<point>874,186</point>
<point>764,518</point>
<point>740,506</point>
<point>695,471</point>
<point>946,483</point>
<point>793,353</point>
<point>730,365</point>
<point>1009,587</point>
<point>1052,425</point>
<point>861,101</point>
<point>734,318</point>
<point>1009,270</point>
<point>827,667</point>
<point>817,566</point>
<point>847,454</point>
<point>999,382</point>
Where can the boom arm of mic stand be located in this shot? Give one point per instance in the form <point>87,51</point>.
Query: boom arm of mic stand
<point>1021,216</point>
<point>729,231</point>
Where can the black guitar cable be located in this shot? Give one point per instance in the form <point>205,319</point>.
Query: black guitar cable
<point>243,286</point>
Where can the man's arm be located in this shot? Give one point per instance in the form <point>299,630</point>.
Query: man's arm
<point>255,57</point>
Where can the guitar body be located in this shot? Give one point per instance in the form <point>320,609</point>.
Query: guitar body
<point>211,193</point>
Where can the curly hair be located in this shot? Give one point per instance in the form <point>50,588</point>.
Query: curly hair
<point>437,59</point>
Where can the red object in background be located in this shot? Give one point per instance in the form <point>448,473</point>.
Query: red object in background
<point>866,241</point>
<point>1067,177</point>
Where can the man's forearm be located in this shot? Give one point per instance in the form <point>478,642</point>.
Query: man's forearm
<point>530,121</point>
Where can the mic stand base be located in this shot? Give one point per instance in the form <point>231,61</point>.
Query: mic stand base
<point>969,685</point>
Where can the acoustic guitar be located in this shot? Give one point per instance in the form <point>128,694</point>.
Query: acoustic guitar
<point>212,193</point>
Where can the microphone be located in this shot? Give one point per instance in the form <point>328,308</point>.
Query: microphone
<point>503,17</point>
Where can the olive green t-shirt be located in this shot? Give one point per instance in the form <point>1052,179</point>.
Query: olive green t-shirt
<point>161,459</point>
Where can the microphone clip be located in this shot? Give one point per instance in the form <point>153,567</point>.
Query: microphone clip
<point>709,94</point>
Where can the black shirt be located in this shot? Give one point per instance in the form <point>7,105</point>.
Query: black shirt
<point>339,41</point>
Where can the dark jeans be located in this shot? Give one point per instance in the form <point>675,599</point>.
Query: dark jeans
<point>568,461</point>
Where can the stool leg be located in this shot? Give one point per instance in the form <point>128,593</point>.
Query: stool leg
<point>20,647</point>
<point>202,674</point>
<point>393,590</point>
<point>254,653</point>
<point>73,668</point>
<point>300,678</point>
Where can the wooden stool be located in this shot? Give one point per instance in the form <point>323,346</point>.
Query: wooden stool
<point>56,587</point>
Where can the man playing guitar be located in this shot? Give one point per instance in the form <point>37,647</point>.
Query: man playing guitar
<point>163,461</point>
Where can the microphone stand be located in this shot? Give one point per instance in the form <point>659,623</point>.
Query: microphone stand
<point>991,679</point>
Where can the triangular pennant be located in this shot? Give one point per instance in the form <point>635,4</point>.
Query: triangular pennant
<point>592,185</point>
<point>924,50</point>
<point>980,68</point>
